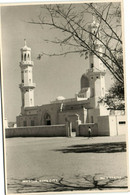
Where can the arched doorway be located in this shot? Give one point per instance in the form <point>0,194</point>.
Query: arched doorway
<point>47,119</point>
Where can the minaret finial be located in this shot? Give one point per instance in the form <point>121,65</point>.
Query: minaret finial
<point>25,42</point>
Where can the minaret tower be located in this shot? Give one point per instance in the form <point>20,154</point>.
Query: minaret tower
<point>95,63</point>
<point>27,86</point>
<point>96,72</point>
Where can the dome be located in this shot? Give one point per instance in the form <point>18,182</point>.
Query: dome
<point>25,48</point>
<point>84,81</point>
<point>60,98</point>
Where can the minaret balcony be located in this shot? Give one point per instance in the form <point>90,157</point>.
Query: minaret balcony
<point>27,85</point>
<point>95,70</point>
<point>26,63</point>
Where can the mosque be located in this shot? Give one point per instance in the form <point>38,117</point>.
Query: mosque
<point>84,107</point>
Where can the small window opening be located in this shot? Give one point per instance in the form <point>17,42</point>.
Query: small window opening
<point>92,92</point>
<point>24,123</point>
<point>122,122</point>
<point>91,119</point>
<point>103,91</point>
<point>25,57</point>
<point>22,101</point>
<point>32,122</point>
<point>92,65</point>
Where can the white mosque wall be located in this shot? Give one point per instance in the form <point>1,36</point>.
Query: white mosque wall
<point>31,111</point>
<point>103,110</point>
<point>121,121</point>
<point>103,125</point>
<point>62,116</point>
<point>50,109</point>
<point>83,129</point>
<point>112,125</point>
<point>30,120</point>
<point>92,115</point>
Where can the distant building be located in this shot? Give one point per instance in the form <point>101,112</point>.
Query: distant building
<point>12,124</point>
<point>85,104</point>
<point>5,123</point>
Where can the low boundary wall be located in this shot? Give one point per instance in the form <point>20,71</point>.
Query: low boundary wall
<point>37,131</point>
<point>112,125</point>
<point>83,129</point>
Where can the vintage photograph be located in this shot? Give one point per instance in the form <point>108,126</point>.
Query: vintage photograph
<point>63,97</point>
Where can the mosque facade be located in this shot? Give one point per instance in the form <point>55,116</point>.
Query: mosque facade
<point>84,107</point>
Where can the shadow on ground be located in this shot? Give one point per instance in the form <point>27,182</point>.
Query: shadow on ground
<point>96,148</point>
<point>78,182</point>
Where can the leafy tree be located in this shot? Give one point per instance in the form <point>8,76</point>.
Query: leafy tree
<point>115,97</point>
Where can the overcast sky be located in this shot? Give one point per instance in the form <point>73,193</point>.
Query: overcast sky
<point>54,76</point>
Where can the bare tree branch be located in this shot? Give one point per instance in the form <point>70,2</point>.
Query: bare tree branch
<point>68,20</point>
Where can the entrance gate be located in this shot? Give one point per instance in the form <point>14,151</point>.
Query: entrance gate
<point>47,119</point>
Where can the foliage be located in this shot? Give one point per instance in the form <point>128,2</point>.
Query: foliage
<point>115,97</point>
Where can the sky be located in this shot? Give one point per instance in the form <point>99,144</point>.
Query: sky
<point>54,76</point>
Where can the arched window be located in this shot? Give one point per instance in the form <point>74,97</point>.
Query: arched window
<point>84,81</point>
<point>92,92</point>
<point>92,65</point>
<point>22,101</point>
<point>47,119</point>
<point>28,56</point>
<point>91,119</point>
<point>22,56</point>
<point>25,57</point>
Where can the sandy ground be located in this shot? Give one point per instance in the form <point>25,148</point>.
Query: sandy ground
<point>60,157</point>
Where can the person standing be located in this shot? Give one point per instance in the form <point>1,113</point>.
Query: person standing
<point>89,132</point>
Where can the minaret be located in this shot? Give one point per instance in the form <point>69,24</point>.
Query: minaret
<point>27,86</point>
<point>96,72</point>
<point>95,63</point>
